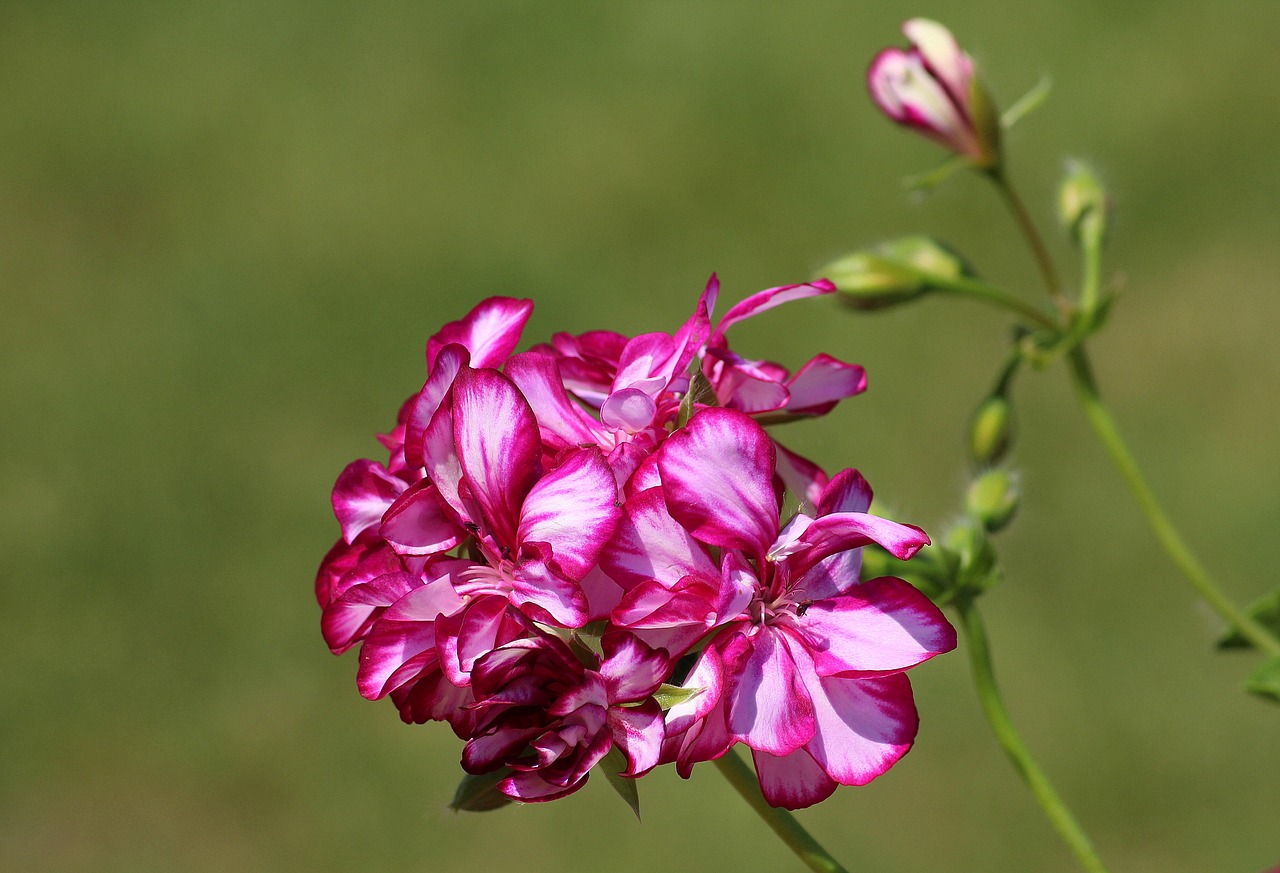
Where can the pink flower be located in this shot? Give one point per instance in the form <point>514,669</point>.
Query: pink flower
<point>932,87</point>
<point>804,664</point>
<point>546,717</point>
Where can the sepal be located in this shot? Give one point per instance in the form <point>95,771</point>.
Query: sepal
<point>480,793</point>
<point>613,765</point>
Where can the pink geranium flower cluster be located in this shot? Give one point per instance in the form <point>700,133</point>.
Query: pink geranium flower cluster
<point>579,549</point>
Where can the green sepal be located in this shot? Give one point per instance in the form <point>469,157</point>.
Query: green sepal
<point>975,558</point>
<point>613,765</point>
<point>673,695</point>
<point>1027,103</point>
<point>1265,681</point>
<point>1266,612</point>
<point>480,793</point>
<point>931,571</point>
<point>924,182</point>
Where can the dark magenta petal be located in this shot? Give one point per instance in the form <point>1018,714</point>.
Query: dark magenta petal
<point>767,299</point>
<point>794,781</point>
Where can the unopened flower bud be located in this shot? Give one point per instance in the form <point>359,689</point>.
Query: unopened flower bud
<point>1082,204</point>
<point>893,272</point>
<point>991,432</point>
<point>932,86</point>
<point>975,558</point>
<point>992,499</point>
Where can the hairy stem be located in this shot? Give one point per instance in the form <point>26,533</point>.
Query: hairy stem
<point>784,824</point>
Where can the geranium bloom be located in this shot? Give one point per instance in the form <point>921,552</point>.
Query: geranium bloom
<point>932,87</point>
<point>638,385</point>
<point>805,664</point>
<point>549,719</point>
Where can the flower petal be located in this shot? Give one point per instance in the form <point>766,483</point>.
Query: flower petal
<point>490,331</point>
<point>769,705</point>
<point>649,544</point>
<point>498,447</point>
<point>841,531</point>
<point>638,733</point>
<point>864,725</point>
<point>767,299</point>
<point>882,625</point>
<point>422,408</point>
<point>362,494</point>
<point>563,422</point>
<point>717,474</point>
<point>416,524</point>
<point>793,781</point>
<point>574,510</point>
<point>348,619</point>
<point>821,383</point>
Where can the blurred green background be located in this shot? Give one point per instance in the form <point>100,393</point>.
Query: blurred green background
<point>230,227</point>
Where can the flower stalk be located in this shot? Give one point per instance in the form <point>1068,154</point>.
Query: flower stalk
<point>984,681</point>
<point>1105,429</point>
<point>783,823</point>
<point>1108,434</point>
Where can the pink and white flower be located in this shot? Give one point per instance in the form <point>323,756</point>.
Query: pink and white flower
<point>932,87</point>
<point>803,664</point>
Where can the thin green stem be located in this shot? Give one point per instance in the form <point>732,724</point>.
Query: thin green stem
<point>993,705</point>
<point>1028,226</point>
<point>969,287</point>
<point>1104,426</point>
<point>1092,252</point>
<point>784,824</point>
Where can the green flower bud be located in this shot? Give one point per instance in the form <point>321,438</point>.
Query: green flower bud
<point>975,558</point>
<point>991,431</point>
<point>894,272</point>
<point>1082,204</point>
<point>992,499</point>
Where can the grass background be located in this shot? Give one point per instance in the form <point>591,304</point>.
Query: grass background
<point>228,229</point>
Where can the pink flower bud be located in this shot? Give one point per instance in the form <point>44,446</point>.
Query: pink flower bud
<point>932,87</point>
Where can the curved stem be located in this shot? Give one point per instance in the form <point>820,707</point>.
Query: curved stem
<point>993,705</point>
<point>784,824</point>
<point>1161,526</point>
<point>976,288</point>
<point>1041,252</point>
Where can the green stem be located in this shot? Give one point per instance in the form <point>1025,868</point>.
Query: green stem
<point>1161,526</point>
<point>968,287</point>
<point>1041,252</point>
<point>784,824</point>
<point>993,705</point>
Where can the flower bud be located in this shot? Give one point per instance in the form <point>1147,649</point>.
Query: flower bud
<point>975,558</point>
<point>992,499</point>
<point>991,431</point>
<point>893,272</point>
<point>933,87</point>
<point>1082,204</point>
